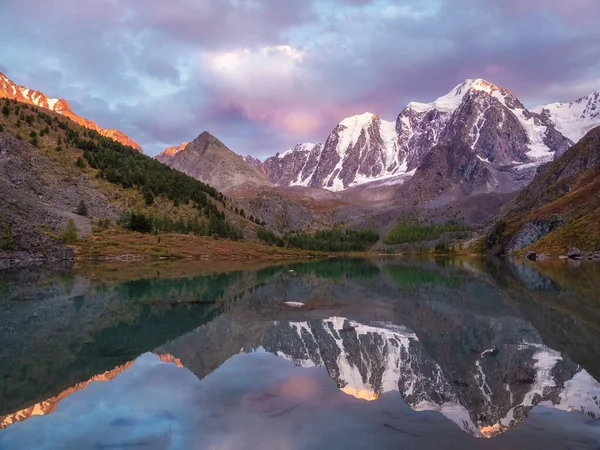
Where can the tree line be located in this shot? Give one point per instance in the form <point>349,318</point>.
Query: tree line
<point>409,229</point>
<point>323,240</point>
<point>216,225</point>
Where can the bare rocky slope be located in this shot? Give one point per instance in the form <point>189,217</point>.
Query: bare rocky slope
<point>37,203</point>
<point>207,159</point>
<point>9,89</point>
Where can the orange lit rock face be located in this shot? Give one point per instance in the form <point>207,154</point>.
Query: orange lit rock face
<point>10,90</point>
<point>166,358</point>
<point>493,430</point>
<point>173,150</point>
<point>361,394</point>
<point>49,406</point>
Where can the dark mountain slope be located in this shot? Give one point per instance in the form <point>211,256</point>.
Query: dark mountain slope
<point>559,209</point>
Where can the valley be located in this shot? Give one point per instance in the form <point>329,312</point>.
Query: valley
<point>299,225</point>
<point>466,160</point>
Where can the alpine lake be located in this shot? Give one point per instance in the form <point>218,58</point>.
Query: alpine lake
<point>395,353</point>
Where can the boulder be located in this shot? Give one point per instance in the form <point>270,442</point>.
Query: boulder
<point>532,256</point>
<point>574,253</point>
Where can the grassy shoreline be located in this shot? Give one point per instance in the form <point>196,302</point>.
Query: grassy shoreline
<point>124,246</point>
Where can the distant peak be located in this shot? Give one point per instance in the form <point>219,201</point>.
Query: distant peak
<point>302,147</point>
<point>453,99</point>
<point>174,150</point>
<point>206,136</point>
<point>477,84</point>
<point>360,119</point>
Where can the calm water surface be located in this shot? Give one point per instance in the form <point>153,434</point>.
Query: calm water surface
<point>348,354</point>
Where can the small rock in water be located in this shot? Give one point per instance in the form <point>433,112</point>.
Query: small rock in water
<point>532,256</point>
<point>596,256</point>
<point>574,253</point>
<point>294,304</point>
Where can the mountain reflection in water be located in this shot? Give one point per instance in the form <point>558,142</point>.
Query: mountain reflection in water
<point>492,346</point>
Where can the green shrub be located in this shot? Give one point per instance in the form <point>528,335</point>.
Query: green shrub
<point>410,230</point>
<point>7,240</point>
<point>69,234</point>
<point>267,236</point>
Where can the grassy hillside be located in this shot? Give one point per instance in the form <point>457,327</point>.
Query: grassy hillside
<point>559,209</point>
<point>53,170</point>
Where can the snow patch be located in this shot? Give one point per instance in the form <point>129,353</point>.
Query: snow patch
<point>298,148</point>
<point>294,304</point>
<point>52,103</point>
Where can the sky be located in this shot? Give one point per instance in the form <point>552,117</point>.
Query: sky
<point>263,75</point>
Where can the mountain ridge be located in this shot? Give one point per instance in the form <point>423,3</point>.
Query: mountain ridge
<point>12,91</point>
<point>489,118</point>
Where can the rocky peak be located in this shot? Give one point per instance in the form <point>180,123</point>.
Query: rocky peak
<point>294,167</point>
<point>171,151</point>
<point>207,159</point>
<point>9,89</point>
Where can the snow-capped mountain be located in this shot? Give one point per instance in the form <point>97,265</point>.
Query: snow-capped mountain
<point>294,167</point>
<point>9,89</point>
<point>360,148</point>
<point>365,148</point>
<point>484,397</point>
<point>576,118</point>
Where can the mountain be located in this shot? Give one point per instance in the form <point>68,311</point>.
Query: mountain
<point>576,118</point>
<point>207,159</point>
<point>294,167</point>
<point>364,148</point>
<point>559,209</point>
<point>10,90</point>
<point>50,166</point>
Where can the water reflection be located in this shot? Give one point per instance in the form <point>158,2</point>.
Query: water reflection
<point>482,343</point>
